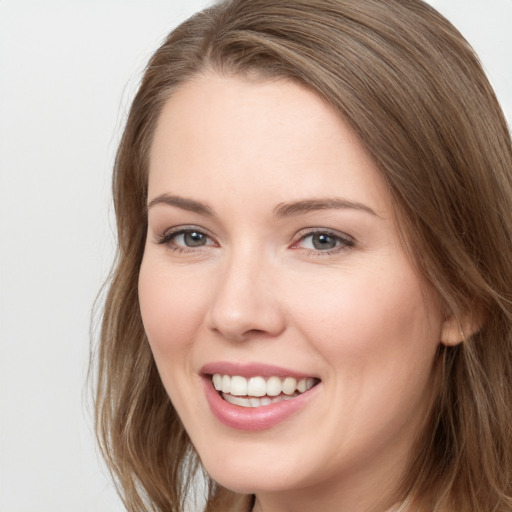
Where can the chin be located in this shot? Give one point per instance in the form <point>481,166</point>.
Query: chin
<point>255,470</point>
<point>251,481</point>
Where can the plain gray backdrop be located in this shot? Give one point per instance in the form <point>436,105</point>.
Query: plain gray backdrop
<point>68,70</point>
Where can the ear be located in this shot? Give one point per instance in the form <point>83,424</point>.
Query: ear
<point>455,329</point>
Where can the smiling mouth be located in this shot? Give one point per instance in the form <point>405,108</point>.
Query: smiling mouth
<point>260,391</point>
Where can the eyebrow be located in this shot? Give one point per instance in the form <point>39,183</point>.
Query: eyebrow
<point>280,211</point>
<point>310,205</point>
<point>183,203</point>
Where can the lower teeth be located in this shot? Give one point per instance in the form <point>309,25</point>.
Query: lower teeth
<point>256,401</point>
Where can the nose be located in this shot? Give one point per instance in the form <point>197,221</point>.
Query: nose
<point>245,302</point>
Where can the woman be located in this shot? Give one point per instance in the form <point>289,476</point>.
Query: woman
<point>312,298</point>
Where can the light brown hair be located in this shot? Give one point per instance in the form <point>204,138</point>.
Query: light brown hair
<point>413,90</point>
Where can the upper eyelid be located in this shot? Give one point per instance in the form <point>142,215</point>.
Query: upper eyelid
<point>328,231</point>
<point>299,235</point>
<point>166,235</point>
<point>345,240</point>
<point>186,228</point>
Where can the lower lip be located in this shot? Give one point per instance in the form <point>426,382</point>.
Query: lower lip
<point>254,418</point>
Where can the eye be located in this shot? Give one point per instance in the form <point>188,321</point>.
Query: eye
<point>326,242</point>
<point>320,241</point>
<point>185,238</point>
<point>190,239</point>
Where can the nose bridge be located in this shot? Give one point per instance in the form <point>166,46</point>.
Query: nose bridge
<point>245,302</point>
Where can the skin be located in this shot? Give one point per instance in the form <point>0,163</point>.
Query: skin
<point>357,315</point>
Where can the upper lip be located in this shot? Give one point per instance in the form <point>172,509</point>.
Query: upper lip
<point>251,370</point>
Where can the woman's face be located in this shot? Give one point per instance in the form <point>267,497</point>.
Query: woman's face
<point>273,263</point>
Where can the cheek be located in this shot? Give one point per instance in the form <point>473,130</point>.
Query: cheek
<point>377,320</point>
<point>379,341</point>
<point>172,307</point>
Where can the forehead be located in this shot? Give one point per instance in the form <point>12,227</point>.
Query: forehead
<point>226,131</point>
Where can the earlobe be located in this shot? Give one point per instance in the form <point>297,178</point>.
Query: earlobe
<point>455,330</point>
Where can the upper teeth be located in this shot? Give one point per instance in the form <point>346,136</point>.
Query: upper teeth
<point>258,386</point>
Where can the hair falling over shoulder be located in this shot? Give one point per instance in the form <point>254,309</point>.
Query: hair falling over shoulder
<point>414,92</point>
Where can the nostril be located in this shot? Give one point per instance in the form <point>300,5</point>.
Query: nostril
<point>241,335</point>
<point>254,332</point>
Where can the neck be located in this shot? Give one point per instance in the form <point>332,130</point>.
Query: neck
<point>401,507</point>
<point>357,492</point>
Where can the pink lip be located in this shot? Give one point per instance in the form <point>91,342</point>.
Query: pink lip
<point>252,418</point>
<point>250,370</point>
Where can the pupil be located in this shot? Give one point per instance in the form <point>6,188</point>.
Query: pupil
<point>324,242</point>
<point>194,239</point>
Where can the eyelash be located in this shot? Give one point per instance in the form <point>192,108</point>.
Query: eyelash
<point>343,242</point>
<point>168,238</point>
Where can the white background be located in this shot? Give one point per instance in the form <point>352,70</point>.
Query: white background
<point>68,70</point>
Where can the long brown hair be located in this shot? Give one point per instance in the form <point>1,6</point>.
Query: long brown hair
<point>413,90</point>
